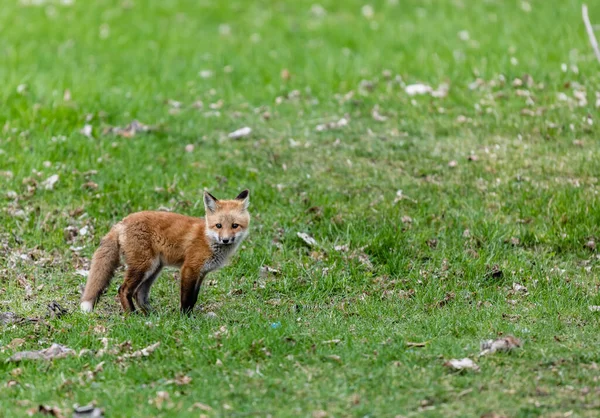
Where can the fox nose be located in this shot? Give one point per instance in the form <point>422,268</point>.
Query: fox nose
<point>225,241</point>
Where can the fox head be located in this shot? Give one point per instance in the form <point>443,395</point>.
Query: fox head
<point>227,221</point>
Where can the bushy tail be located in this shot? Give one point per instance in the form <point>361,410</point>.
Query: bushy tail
<point>104,263</point>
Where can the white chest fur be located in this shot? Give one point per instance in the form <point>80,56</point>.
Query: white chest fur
<point>220,257</point>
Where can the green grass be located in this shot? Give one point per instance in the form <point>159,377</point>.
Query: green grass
<point>529,201</point>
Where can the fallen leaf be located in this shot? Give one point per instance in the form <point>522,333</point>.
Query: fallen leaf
<point>417,89</point>
<point>507,343</point>
<point>308,240</point>
<point>182,379</point>
<point>17,342</point>
<point>409,344</point>
<point>130,130</point>
<point>376,115</point>
<point>46,410</point>
<point>447,298</point>
<point>265,271</point>
<point>86,131</point>
<point>144,352</point>
<point>519,288</point>
<point>55,310</point>
<point>162,397</point>
<point>594,308</point>
<point>463,364</point>
<point>334,341</point>
<point>50,182</point>
<point>493,415</point>
<point>52,352</point>
<point>335,358</point>
<point>201,406</point>
<point>441,91</point>
<point>87,411</point>
<point>332,125</point>
<point>240,133</point>
<point>495,272</point>
<point>90,185</point>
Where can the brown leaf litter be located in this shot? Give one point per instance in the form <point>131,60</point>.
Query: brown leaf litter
<point>46,410</point>
<point>52,352</point>
<point>332,125</point>
<point>308,240</point>
<point>507,343</point>
<point>130,130</point>
<point>87,411</point>
<point>462,364</point>
<point>240,133</point>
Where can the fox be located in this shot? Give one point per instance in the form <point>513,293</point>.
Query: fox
<point>148,241</point>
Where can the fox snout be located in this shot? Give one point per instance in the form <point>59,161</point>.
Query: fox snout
<point>228,240</point>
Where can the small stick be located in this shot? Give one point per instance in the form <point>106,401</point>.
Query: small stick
<point>590,31</point>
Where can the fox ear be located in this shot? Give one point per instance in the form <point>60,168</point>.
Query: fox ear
<point>210,202</point>
<point>245,198</point>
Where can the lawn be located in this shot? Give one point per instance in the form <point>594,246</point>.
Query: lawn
<point>466,213</point>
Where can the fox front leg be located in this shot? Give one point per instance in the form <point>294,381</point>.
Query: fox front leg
<point>191,280</point>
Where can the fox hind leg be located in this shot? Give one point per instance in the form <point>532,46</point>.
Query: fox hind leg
<point>142,293</point>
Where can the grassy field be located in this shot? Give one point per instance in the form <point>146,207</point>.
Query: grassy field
<point>463,214</point>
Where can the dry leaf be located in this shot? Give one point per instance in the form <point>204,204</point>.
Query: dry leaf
<point>87,411</point>
<point>335,358</point>
<point>161,398</point>
<point>594,308</point>
<point>332,125</point>
<point>308,240</point>
<point>417,89</point>
<point>144,352</point>
<point>376,115</point>
<point>130,130</point>
<point>201,406</point>
<point>265,271</point>
<point>46,410</point>
<point>17,342</point>
<point>409,344</point>
<point>86,131</point>
<point>519,288</point>
<point>463,364</point>
<point>52,352</point>
<point>507,343</point>
<point>182,380</point>
<point>50,182</point>
<point>240,133</point>
<point>55,310</point>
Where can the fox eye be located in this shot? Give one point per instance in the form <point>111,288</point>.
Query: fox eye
<point>219,226</point>
<point>234,226</point>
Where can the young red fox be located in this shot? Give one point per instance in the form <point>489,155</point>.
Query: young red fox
<point>150,241</point>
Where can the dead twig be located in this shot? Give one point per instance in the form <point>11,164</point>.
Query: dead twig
<point>590,31</point>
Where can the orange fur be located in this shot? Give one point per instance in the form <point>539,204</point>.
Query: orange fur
<point>150,241</point>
